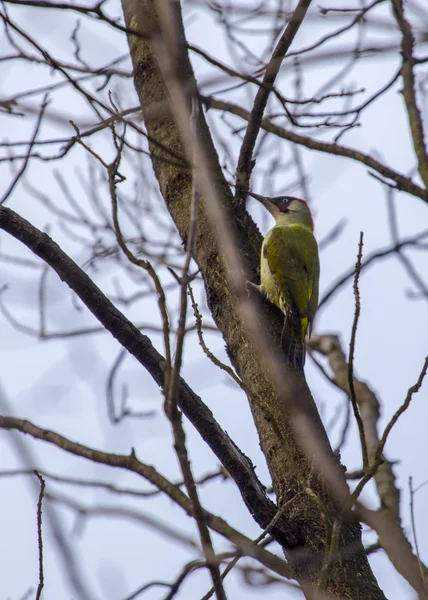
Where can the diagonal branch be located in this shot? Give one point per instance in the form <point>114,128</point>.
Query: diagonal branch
<point>238,466</point>
<point>244,168</point>
<point>132,464</point>
<point>409,89</point>
<point>386,520</point>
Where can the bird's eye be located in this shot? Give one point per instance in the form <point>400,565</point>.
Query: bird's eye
<point>283,207</point>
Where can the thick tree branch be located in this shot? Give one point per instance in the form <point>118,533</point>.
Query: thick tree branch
<point>139,345</point>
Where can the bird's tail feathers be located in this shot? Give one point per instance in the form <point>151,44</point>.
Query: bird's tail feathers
<point>294,351</point>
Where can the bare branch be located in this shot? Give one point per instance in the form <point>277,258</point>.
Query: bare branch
<point>39,535</point>
<point>239,466</point>
<point>244,167</point>
<point>402,182</point>
<point>132,464</point>
<point>21,171</point>
<point>409,89</point>
<point>207,351</point>
<point>149,521</point>
<point>258,540</point>
<point>352,395</point>
<point>109,487</point>
<point>384,521</point>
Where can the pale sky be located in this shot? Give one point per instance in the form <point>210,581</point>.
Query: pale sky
<point>60,384</point>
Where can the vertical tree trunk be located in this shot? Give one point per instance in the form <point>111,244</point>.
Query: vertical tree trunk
<point>309,508</point>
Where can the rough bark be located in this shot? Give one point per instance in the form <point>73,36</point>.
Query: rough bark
<point>310,507</point>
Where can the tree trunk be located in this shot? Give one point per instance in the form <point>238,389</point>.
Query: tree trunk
<point>309,506</point>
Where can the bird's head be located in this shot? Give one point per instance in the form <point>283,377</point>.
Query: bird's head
<point>287,208</point>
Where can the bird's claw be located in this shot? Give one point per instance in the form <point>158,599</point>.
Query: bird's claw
<point>251,287</point>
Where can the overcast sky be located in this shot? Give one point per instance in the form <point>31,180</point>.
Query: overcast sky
<point>61,384</point>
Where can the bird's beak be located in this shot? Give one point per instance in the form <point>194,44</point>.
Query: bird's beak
<point>265,201</point>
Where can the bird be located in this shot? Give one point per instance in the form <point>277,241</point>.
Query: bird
<point>290,270</point>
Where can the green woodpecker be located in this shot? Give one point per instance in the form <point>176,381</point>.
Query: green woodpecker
<point>290,270</point>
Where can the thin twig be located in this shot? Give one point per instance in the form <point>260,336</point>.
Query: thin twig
<point>405,261</point>
<point>257,541</point>
<point>132,464</point>
<point>352,394</point>
<point>149,521</point>
<point>378,456</point>
<point>113,178</point>
<point>27,156</point>
<point>145,587</point>
<point>39,535</point>
<point>207,351</point>
<point>109,487</point>
<point>372,548</point>
<point>415,241</point>
<point>65,557</point>
<point>369,407</point>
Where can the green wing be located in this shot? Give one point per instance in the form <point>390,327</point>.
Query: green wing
<point>291,253</point>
